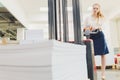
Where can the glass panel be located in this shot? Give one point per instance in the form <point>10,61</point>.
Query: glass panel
<point>70,20</point>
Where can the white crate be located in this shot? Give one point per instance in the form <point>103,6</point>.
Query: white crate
<point>47,60</point>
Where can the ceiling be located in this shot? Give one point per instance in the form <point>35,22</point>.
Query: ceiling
<point>6,17</point>
<point>8,24</point>
<point>29,13</point>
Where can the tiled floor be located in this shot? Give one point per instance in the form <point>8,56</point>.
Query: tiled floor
<point>110,75</point>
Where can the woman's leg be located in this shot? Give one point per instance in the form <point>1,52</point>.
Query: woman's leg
<point>103,62</point>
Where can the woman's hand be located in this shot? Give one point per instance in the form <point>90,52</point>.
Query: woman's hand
<point>88,28</point>
<point>99,28</point>
<point>94,28</point>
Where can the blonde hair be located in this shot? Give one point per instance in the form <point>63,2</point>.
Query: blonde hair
<point>99,14</point>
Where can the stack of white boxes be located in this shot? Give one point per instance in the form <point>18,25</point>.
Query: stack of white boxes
<point>48,60</point>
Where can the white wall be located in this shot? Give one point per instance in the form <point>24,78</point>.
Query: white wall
<point>114,30</point>
<point>118,26</point>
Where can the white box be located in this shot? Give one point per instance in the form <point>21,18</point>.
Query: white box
<point>47,60</point>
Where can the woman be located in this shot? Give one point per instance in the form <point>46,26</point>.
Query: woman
<point>95,23</point>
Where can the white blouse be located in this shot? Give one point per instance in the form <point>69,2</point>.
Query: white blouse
<point>92,22</point>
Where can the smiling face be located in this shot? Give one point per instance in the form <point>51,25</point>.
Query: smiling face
<point>96,8</point>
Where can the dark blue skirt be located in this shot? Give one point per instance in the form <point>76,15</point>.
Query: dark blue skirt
<point>100,46</point>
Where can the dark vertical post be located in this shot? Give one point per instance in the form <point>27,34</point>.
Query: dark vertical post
<point>55,19</point>
<point>77,21</point>
<point>52,19</point>
<point>65,21</point>
<point>92,74</point>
